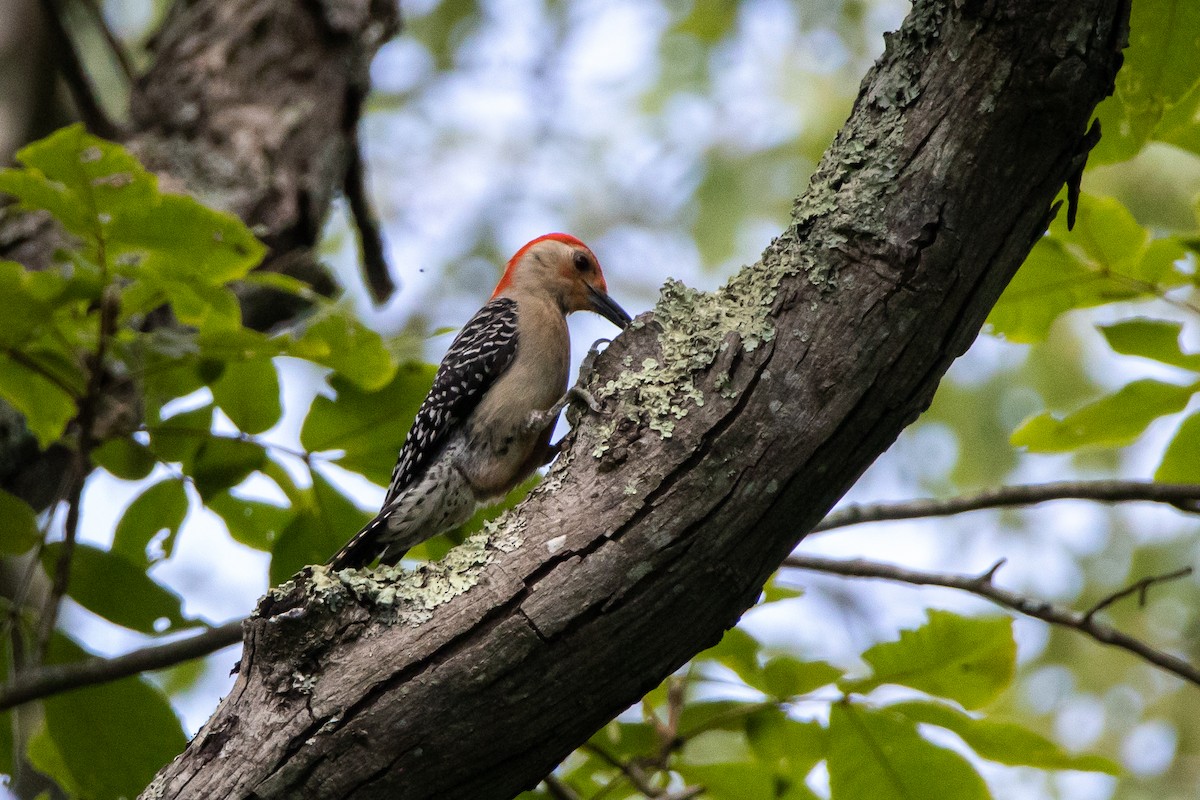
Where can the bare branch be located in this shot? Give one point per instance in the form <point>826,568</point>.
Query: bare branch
<point>1185,497</point>
<point>631,770</point>
<point>1140,589</point>
<point>64,677</point>
<point>559,789</point>
<point>120,54</point>
<point>375,268</point>
<point>75,74</point>
<point>982,586</point>
<point>62,568</point>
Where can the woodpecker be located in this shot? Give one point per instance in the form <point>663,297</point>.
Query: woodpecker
<point>485,425</point>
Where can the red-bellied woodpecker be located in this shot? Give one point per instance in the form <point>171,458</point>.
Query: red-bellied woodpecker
<point>486,423</point>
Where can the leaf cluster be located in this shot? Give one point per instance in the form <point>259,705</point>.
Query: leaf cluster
<point>872,739</point>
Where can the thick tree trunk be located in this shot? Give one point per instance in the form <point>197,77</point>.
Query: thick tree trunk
<point>251,106</point>
<point>733,421</point>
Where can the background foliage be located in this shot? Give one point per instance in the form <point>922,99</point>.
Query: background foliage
<point>230,458</point>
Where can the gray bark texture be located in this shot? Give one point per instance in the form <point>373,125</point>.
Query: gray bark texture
<point>252,107</point>
<point>732,422</point>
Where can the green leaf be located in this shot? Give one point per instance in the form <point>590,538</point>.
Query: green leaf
<point>251,522</point>
<point>174,238</point>
<point>1107,258</point>
<point>627,740</point>
<point>791,748</point>
<point>773,592</point>
<point>710,21</point>
<point>162,507</point>
<point>731,781</point>
<point>125,458</point>
<point>104,741</point>
<point>966,659</point>
<point>1159,70</point>
<point>1179,124</point>
<point>1112,421</point>
<point>339,341</point>
<point>99,192</point>
<point>282,283</point>
<point>879,755</point>
<point>737,650</point>
<point>138,605</point>
<point>248,393</point>
<point>784,677</point>
<point>222,463</point>
<point>1002,742</point>
<point>1181,461</point>
<point>30,299</point>
<point>18,525</point>
<point>74,176</point>
<point>1151,338</point>
<point>317,531</point>
<point>46,406</point>
<point>178,438</point>
<point>723,715</point>
<point>369,426</point>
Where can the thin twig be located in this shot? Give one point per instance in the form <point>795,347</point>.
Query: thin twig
<point>1185,497</point>
<point>375,268</point>
<point>632,772</point>
<point>1140,588</point>
<point>58,678</point>
<point>559,789</point>
<point>982,586</point>
<point>62,568</point>
<point>71,65</point>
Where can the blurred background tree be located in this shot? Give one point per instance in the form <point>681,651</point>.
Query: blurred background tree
<point>672,137</point>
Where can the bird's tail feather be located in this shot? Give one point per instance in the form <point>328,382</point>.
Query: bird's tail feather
<point>362,547</point>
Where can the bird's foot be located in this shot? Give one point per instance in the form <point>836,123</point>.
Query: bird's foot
<point>539,420</point>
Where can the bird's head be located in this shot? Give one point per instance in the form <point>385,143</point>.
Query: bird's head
<point>560,265</point>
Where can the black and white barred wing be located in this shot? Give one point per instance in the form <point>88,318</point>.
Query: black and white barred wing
<point>479,355</point>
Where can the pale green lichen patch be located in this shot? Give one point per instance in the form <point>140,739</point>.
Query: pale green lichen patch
<point>409,596</point>
<point>693,331</point>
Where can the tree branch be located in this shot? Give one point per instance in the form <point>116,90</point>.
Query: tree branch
<point>115,46</point>
<point>370,238</point>
<point>73,676</point>
<point>58,678</point>
<point>75,74</point>
<point>1185,497</point>
<point>732,422</point>
<point>1140,588</point>
<point>62,568</point>
<point>982,586</point>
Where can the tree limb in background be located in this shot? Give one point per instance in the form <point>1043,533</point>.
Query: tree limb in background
<point>75,74</point>
<point>1140,588</point>
<point>370,238</point>
<point>57,678</point>
<point>1185,497</point>
<point>119,53</point>
<point>656,530</point>
<point>72,676</point>
<point>982,586</point>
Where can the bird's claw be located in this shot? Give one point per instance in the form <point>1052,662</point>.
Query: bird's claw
<point>579,394</point>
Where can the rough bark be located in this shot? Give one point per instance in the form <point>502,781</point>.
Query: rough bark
<point>473,678</point>
<point>251,106</point>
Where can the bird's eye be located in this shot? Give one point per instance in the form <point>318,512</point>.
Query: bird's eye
<point>582,262</point>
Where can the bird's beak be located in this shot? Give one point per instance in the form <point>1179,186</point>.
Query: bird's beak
<point>606,307</point>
